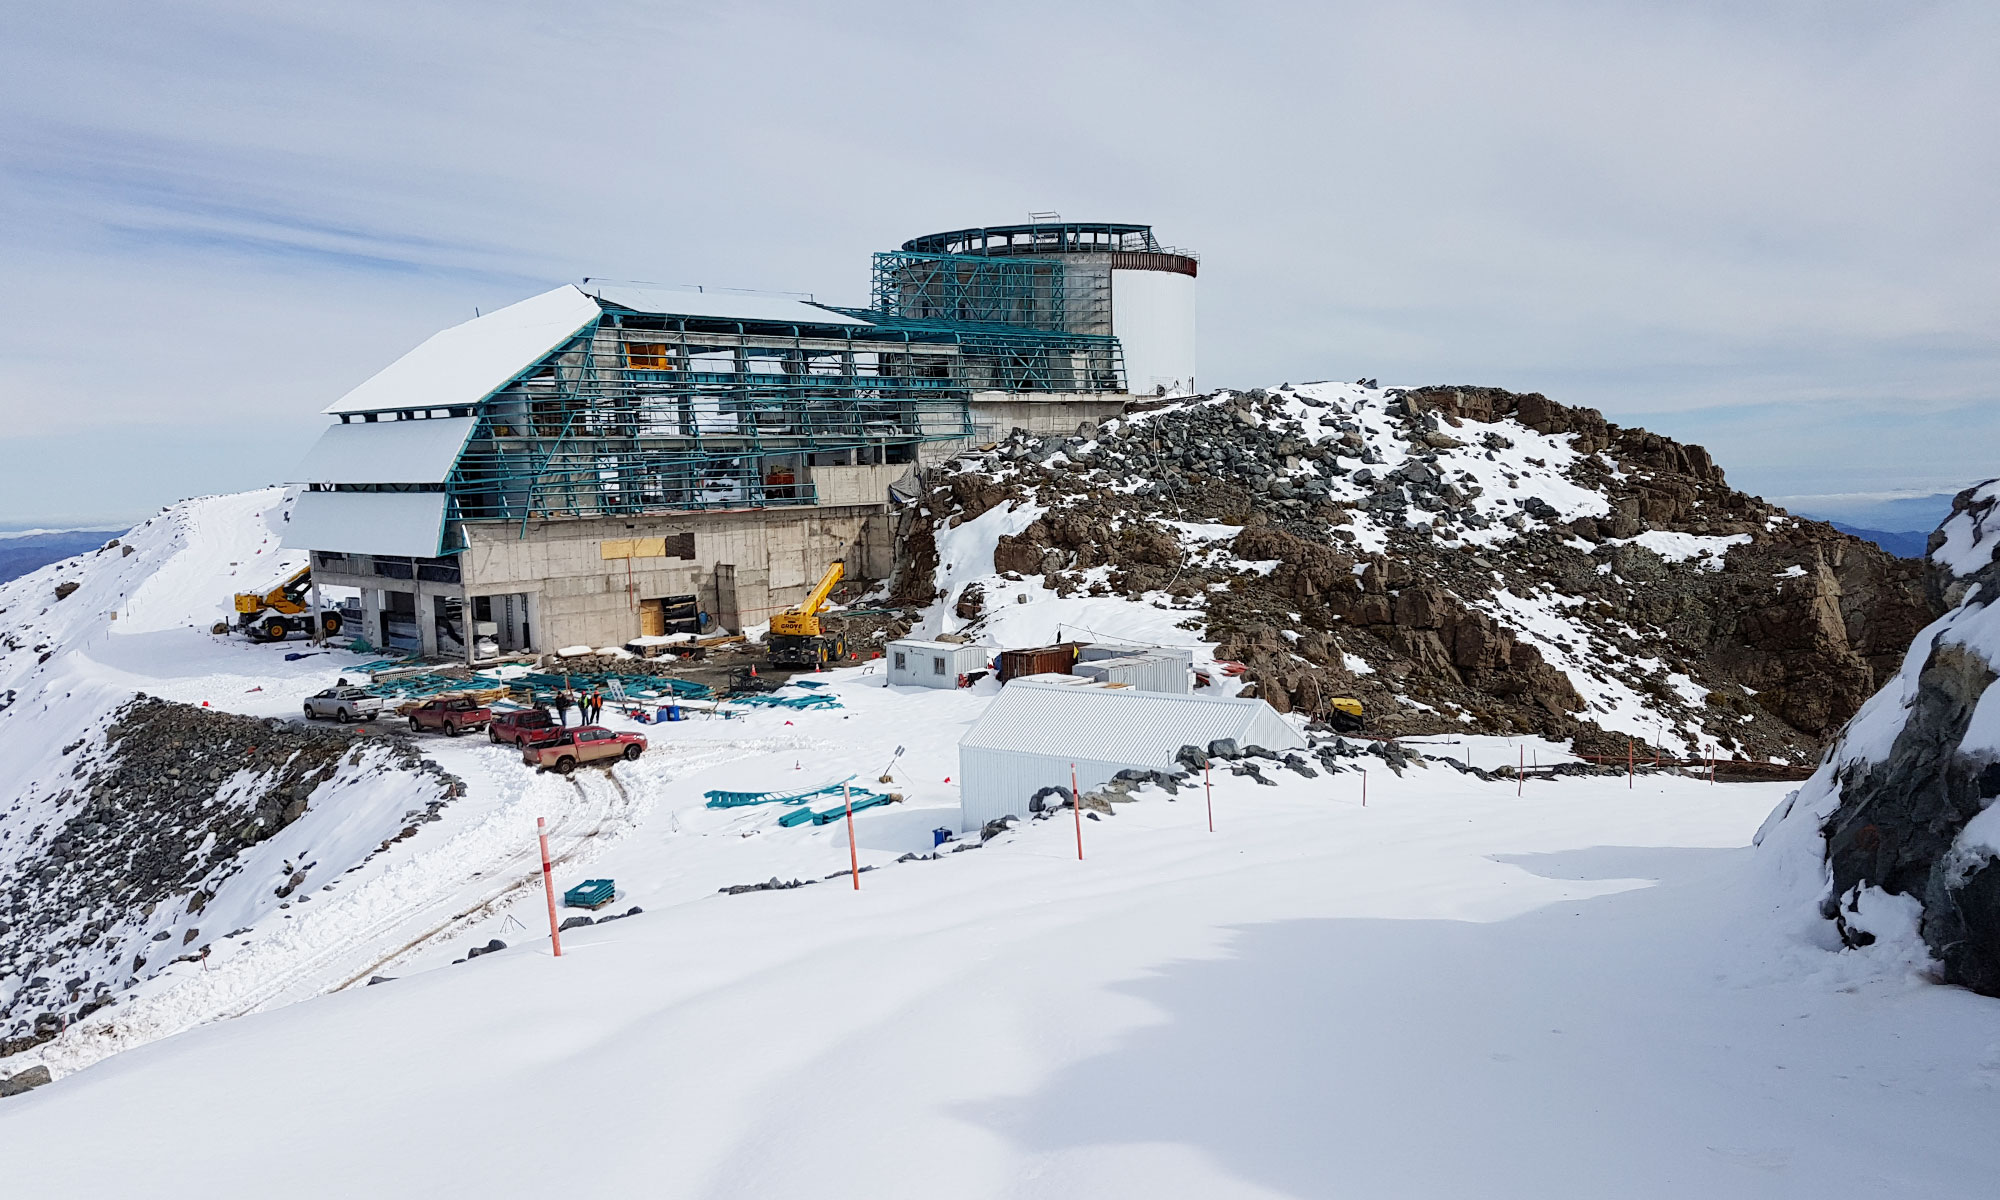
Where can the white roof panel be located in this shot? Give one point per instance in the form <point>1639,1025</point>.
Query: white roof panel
<point>420,451</point>
<point>467,363</point>
<point>400,523</point>
<point>1121,725</point>
<point>725,306</point>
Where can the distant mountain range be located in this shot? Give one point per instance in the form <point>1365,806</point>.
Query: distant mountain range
<point>21,553</point>
<point>1902,545</point>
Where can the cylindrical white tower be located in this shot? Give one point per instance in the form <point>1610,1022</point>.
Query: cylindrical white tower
<point>1117,280</point>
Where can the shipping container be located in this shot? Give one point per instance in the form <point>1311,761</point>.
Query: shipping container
<point>1038,660</point>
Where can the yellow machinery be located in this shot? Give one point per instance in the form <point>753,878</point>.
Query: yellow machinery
<point>796,635</point>
<point>284,610</point>
<point>1344,714</point>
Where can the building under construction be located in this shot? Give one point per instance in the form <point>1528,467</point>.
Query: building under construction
<point>595,462</point>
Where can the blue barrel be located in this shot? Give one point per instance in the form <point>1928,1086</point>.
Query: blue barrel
<point>939,836</point>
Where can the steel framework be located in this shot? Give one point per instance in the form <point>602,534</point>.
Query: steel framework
<point>1025,292</point>
<point>646,412</point>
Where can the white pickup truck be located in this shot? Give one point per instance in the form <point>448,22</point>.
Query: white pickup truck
<point>344,704</point>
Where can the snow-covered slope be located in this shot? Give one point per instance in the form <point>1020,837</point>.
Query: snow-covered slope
<point>1418,982</point>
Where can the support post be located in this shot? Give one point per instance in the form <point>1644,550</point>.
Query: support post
<point>1520,769</point>
<point>1208,784</point>
<point>549,884</point>
<point>317,633</point>
<point>1364,787</point>
<point>1076,806</point>
<point>853,854</point>
<point>1631,765</point>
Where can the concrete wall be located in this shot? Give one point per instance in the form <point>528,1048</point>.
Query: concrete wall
<point>746,565</point>
<point>996,414</point>
<point>865,484</point>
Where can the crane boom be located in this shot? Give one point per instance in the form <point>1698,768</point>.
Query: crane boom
<point>802,619</point>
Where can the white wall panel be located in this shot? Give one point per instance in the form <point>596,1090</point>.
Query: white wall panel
<point>1152,314</point>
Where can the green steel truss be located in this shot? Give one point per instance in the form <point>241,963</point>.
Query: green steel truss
<point>642,413</point>
<point>960,288</point>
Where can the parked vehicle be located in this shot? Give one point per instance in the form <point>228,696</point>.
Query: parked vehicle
<point>524,728</point>
<point>589,743</point>
<point>451,716</point>
<point>344,704</point>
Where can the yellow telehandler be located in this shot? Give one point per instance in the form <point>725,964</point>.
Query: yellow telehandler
<point>284,610</point>
<point>797,638</point>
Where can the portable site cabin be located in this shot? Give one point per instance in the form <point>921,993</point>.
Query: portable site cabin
<point>933,664</point>
<point>1035,730</point>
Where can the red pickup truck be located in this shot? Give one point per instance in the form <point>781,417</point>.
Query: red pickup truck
<point>453,716</point>
<point>523,728</point>
<point>588,743</point>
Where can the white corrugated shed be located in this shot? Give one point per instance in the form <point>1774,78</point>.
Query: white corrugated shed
<point>419,451</point>
<point>467,363</point>
<point>400,523</point>
<point>1147,672</point>
<point>1034,731</point>
<point>914,663</point>
<point>725,306</point>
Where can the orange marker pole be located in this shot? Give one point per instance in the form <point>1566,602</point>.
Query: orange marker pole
<point>1076,806</point>
<point>853,854</point>
<point>1208,784</point>
<point>549,884</point>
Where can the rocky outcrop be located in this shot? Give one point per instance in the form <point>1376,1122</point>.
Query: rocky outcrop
<point>145,828</point>
<point>1904,804</point>
<point>1452,556</point>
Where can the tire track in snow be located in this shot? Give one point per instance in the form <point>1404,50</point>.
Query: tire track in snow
<point>338,943</point>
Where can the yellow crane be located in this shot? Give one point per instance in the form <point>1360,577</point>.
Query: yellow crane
<point>285,609</point>
<point>796,635</point>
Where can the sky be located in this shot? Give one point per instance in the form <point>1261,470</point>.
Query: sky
<point>1764,228</point>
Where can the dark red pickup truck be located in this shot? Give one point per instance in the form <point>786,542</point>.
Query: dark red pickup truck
<point>527,727</point>
<point>586,744</point>
<point>453,717</point>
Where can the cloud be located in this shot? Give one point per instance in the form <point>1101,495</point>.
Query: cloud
<point>1762,227</point>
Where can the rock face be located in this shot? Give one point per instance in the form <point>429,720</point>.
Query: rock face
<point>1904,803</point>
<point>1455,557</point>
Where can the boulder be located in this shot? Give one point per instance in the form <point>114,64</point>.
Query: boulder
<point>33,1077</point>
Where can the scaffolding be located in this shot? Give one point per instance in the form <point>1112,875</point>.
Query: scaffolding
<point>1023,292</point>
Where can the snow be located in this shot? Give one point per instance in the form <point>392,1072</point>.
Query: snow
<point>1279,1008</point>
<point>728,306</point>
<point>407,524</point>
<point>1680,547</point>
<point>415,451</point>
<point>466,363</point>
<point>1971,537</point>
<point>1588,989</point>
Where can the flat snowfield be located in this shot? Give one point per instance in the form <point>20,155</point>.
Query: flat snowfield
<point>1588,992</point>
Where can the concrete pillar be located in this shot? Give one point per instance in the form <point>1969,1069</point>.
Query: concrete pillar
<point>371,616</point>
<point>316,630</point>
<point>727,614</point>
<point>427,634</point>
